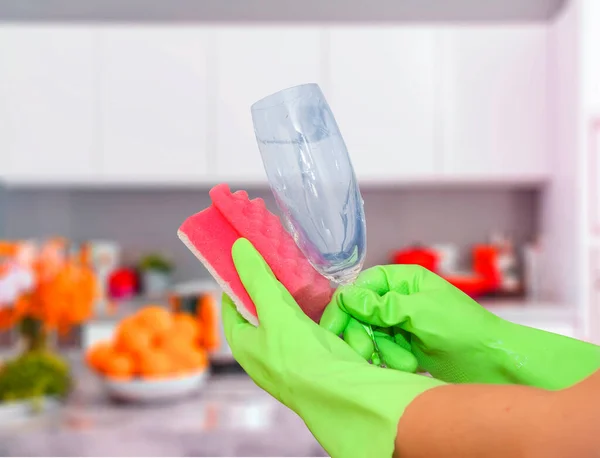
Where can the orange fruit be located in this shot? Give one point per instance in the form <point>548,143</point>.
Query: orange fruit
<point>156,318</point>
<point>196,359</point>
<point>132,338</point>
<point>189,357</point>
<point>186,326</point>
<point>155,364</point>
<point>178,348</point>
<point>119,365</point>
<point>127,323</point>
<point>98,354</point>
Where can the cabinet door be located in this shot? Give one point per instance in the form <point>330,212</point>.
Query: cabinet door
<point>593,167</point>
<point>252,63</point>
<point>154,103</point>
<point>47,103</point>
<point>494,98</point>
<point>382,95</point>
<point>589,30</point>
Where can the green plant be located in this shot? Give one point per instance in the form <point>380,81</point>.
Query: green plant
<point>33,375</point>
<point>155,262</point>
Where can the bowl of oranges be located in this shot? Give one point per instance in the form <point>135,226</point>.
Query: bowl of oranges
<point>154,355</point>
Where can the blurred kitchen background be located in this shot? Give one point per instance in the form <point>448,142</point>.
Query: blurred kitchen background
<point>474,129</point>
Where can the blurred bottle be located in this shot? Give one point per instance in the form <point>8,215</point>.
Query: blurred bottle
<point>532,259</point>
<point>105,258</point>
<point>507,263</point>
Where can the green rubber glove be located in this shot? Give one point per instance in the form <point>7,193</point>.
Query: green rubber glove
<point>453,337</point>
<point>351,407</point>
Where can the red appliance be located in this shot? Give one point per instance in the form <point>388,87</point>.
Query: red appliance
<point>418,256</point>
<point>484,279</point>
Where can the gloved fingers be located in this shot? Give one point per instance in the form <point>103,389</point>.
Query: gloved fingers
<point>401,278</point>
<point>356,336</point>
<point>396,357</point>
<point>402,338</point>
<point>259,281</point>
<point>234,324</point>
<point>384,333</point>
<point>334,319</point>
<point>391,309</point>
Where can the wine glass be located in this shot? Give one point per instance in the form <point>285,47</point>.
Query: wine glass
<point>313,181</point>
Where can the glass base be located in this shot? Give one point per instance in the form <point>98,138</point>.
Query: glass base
<point>344,277</point>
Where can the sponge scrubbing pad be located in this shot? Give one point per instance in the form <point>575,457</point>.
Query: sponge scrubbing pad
<point>210,235</point>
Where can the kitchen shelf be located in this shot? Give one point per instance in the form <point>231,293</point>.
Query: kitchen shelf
<point>536,181</point>
<point>271,10</point>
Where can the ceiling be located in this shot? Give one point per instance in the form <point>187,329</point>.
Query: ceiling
<point>279,10</point>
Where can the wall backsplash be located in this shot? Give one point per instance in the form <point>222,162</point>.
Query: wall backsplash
<point>143,221</point>
<point>3,212</point>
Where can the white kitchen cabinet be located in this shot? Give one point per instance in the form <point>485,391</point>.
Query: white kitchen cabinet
<point>251,63</point>
<point>47,103</point>
<point>383,98</point>
<point>494,95</point>
<point>590,60</point>
<point>154,103</point>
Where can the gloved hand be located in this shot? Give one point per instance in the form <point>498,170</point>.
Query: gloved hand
<point>351,407</point>
<point>454,338</point>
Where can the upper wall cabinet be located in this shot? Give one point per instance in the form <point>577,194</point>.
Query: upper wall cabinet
<point>47,103</point>
<point>590,57</point>
<point>494,97</point>
<point>154,103</point>
<point>251,63</point>
<point>383,97</point>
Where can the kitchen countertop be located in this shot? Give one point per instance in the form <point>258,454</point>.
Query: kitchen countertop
<point>517,308</point>
<point>230,417</point>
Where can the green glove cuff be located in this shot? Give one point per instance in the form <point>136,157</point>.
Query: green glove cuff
<point>533,357</point>
<point>355,412</point>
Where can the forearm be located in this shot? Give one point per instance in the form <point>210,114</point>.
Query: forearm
<point>499,421</point>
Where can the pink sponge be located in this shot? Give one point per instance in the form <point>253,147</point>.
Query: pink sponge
<point>211,233</point>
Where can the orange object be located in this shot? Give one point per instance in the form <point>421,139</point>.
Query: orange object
<point>98,354</point>
<point>197,359</point>
<point>133,338</point>
<point>64,292</point>
<point>155,364</point>
<point>209,322</point>
<point>119,365</point>
<point>175,303</point>
<point>186,326</point>
<point>85,255</point>
<point>156,318</point>
<point>184,354</point>
<point>152,343</point>
<point>8,249</point>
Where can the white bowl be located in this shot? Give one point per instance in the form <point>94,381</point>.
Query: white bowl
<point>139,390</point>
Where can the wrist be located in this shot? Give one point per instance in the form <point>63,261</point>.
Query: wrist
<point>505,344</point>
<point>532,357</point>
